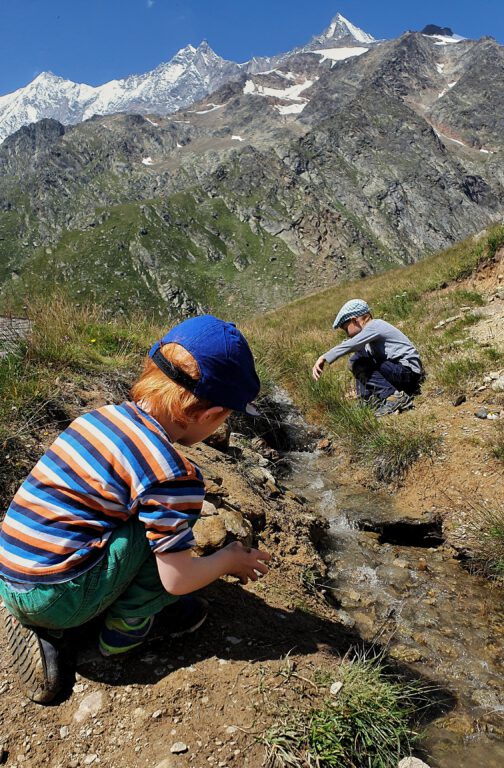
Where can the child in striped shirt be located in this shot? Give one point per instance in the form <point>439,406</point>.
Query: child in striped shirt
<point>103,523</point>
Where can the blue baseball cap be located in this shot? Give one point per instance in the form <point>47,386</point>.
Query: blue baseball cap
<point>227,372</point>
<point>352,308</point>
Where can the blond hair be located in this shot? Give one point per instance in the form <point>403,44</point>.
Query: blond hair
<point>161,396</point>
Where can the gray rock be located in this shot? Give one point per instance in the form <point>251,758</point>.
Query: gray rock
<point>412,762</point>
<point>89,706</point>
<point>179,748</point>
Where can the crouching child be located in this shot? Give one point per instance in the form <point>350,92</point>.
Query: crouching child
<point>103,523</point>
<point>387,367</point>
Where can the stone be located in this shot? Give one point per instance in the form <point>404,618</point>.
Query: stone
<point>210,532</point>
<point>412,762</point>
<point>89,706</point>
<point>498,384</point>
<point>237,525</point>
<point>179,748</point>
<point>64,731</point>
<point>220,438</point>
<point>166,763</point>
<point>208,509</point>
<point>345,619</point>
<point>405,653</point>
<point>336,688</point>
<point>482,413</point>
<point>213,485</point>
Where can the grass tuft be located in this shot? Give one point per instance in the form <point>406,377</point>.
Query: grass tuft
<point>368,723</point>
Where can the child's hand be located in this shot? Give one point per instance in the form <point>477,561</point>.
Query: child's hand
<point>246,563</point>
<point>318,367</point>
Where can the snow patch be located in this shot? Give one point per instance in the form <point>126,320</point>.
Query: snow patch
<point>290,94</point>
<point>206,111</point>
<point>179,146</point>
<point>237,138</point>
<point>440,68</point>
<point>147,160</point>
<point>445,39</point>
<point>152,122</point>
<point>291,109</point>
<point>339,54</point>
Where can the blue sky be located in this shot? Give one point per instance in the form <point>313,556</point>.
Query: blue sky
<point>94,41</point>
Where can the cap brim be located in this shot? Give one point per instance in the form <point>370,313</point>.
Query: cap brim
<point>251,410</point>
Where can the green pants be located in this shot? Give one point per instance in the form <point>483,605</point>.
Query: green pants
<point>125,582</point>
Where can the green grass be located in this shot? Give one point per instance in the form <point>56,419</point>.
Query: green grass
<point>368,723</point>
<point>415,298</point>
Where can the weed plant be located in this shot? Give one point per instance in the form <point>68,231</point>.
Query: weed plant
<point>368,723</point>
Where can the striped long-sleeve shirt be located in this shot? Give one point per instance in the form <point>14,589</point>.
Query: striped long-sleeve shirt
<point>108,465</point>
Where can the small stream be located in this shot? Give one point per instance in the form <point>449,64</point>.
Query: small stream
<point>400,586</point>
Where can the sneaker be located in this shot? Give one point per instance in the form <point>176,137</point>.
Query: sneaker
<point>36,660</point>
<point>183,617</point>
<point>122,635</point>
<point>399,401</point>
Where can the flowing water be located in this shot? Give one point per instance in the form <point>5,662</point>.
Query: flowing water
<point>399,586</point>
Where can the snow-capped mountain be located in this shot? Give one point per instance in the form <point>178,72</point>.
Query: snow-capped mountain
<point>190,75</point>
<point>340,31</point>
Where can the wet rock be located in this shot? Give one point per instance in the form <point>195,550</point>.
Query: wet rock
<point>392,574</point>
<point>344,618</point>
<point>220,438</point>
<point>405,653</point>
<point>210,532</point>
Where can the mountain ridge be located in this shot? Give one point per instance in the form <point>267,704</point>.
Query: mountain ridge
<point>192,73</point>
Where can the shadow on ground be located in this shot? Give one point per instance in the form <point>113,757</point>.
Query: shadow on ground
<point>240,626</point>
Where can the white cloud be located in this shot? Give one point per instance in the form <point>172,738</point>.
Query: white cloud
<point>150,3</point>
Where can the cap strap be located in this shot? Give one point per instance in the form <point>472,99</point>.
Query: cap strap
<point>174,373</point>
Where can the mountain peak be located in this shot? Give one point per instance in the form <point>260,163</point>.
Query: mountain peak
<point>433,29</point>
<point>340,27</point>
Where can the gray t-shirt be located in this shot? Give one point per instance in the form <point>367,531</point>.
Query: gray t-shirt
<point>382,341</point>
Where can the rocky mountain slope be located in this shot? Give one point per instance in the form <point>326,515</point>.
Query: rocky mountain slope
<point>344,157</point>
